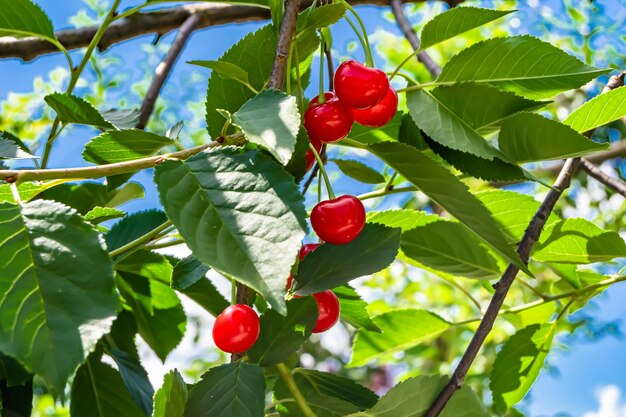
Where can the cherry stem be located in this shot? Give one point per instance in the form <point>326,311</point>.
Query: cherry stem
<point>407,77</point>
<point>369,59</point>
<point>403,63</point>
<point>298,79</point>
<point>320,163</point>
<point>321,98</point>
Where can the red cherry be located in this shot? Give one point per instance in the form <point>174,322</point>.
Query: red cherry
<point>310,158</point>
<point>328,122</point>
<point>307,248</point>
<point>328,310</point>
<point>340,220</point>
<point>358,86</point>
<point>236,329</point>
<point>380,114</point>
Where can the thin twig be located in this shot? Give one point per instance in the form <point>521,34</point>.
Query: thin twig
<point>531,235</point>
<point>616,184</point>
<point>165,67</point>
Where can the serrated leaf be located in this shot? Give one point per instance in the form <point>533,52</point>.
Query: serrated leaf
<point>320,17</point>
<point>297,163</point>
<point>359,171</point>
<point>23,18</point>
<point>12,147</point>
<point>527,137</point>
<point>72,109</point>
<point>99,391</point>
<point>187,272</point>
<point>463,256</point>
<point>600,110</point>
<point>446,190</point>
<point>254,54</point>
<point>123,145</point>
<point>413,397</point>
<point>272,120</point>
<point>58,289</point>
<point>86,196</point>
<point>525,64</point>
<point>403,219</point>
<point>281,336</point>
<point>101,214</point>
<point>27,190</point>
<point>233,390</point>
<point>368,135</point>
<point>122,118</point>
<point>354,309</point>
<point>401,330</point>
<point>170,399</point>
<point>135,379</point>
<point>330,266</point>
<point>132,227</point>
<point>518,364</point>
<point>224,69</point>
<point>189,277</point>
<point>456,21</point>
<point>578,241</point>
<point>241,202</point>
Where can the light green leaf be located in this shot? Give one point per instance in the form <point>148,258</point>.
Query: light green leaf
<point>330,266</point>
<point>600,110</point>
<point>464,255</point>
<point>578,241</point>
<point>101,214</point>
<point>170,399</point>
<point>272,120</point>
<point>72,109</point>
<point>132,227</point>
<point>354,309</point>
<point>540,314</point>
<point>86,196</point>
<point>58,289</point>
<point>518,364</point>
<point>238,202</point>
<point>401,330</point>
<point>414,396</point>
<point>224,69</point>
<point>447,191</point>
<point>359,171</point>
<point>233,390</point>
<point>123,145</point>
<point>135,379</point>
<point>281,336</point>
<point>528,137</point>
<point>27,190</point>
<point>524,64</point>
<point>23,18</point>
<point>99,391</point>
<point>403,219</point>
<point>320,17</point>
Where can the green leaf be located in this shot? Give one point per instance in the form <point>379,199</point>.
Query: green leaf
<point>13,148</point>
<point>72,109</point>
<point>241,202</point>
<point>58,289</point>
<point>529,137</point>
<point>254,54</point>
<point>13,372</point>
<point>187,272</point>
<point>283,335</point>
<point>387,133</point>
<point>135,379</point>
<point>233,390</point>
<point>414,396</point>
<point>170,399</point>
<point>297,164</point>
<point>359,171</point>
<point>518,364</point>
<point>16,401</point>
<point>123,145</point>
<point>598,111</point>
<point>101,214</point>
<point>401,330</point>
<point>404,219</point>
<point>132,227</point>
<point>224,69</point>
<point>456,21</point>
<point>524,64</point>
<point>320,17</point>
<point>354,309</point>
<point>163,330</point>
<point>189,278</point>
<point>447,191</point>
<point>578,241</point>
<point>330,266</point>
<point>86,196</point>
<point>27,190</point>
<point>463,256</point>
<point>122,118</point>
<point>23,18</point>
<point>99,391</point>
<point>272,120</point>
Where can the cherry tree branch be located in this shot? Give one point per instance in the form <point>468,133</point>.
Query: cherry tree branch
<point>594,171</point>
<point>165,67</point>
<point>531,235</point>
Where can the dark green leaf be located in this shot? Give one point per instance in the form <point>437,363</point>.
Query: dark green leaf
<point>207,296</point>
<point>13,372</point>
<point>359,171</point>
<point>410,134</point>
<point>283,335</point>
<point>72,109</point>
<point>23,18</point>
<point>187,272</point>
<point>241,202</point>
<point>123,145</point>
<point>354,309</point>
<point>58,292</point>
<point>16,401</point>
<point>86,196</point>
<point>135,379</point>
<point>598,111</point>
<point>233,390</point>
<point>170,399</point>
<point>133,227</point>
<point>330,266</point>
<point>297,164</point>
<point>163,330</point>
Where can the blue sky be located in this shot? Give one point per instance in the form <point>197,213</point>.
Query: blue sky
<point>583,369</point>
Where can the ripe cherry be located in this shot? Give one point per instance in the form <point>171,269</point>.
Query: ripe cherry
<point>304,251</point>
<point>327,122</point>
<point>358,86</point>
<point>310,158</point>
<point>236,329</point>
<point>338,221</point>
<point>380,114</point>
<point>328,310</point>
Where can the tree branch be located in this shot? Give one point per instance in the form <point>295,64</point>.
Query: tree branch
<point>531,235</point>
<point>616,184</point>
<point>165,67</point>
<point>157,22</point>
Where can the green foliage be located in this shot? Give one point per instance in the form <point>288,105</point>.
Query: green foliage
<point>354,309</point>
<point>12,147</point>
<point>101,214</point>
<point>72,109</point>
<point>123,145</point>
<point>132,227</point>
<point>86,196</point>
<point>170,399</point>
<point>225,70</point>
<point>23,18</point>
<point>359,171</point>
<point>135,379</point>
<point>598,111</point>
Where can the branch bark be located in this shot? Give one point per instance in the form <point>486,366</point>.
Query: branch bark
<point>531,235</point>
<point>592,170</point>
